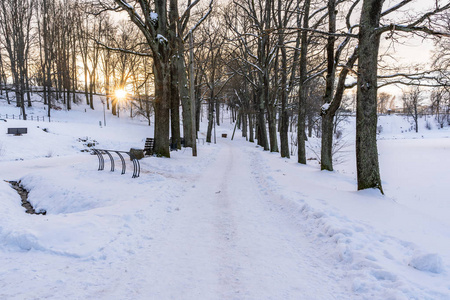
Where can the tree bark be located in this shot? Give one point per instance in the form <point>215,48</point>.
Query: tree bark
<point>301,147</point>
<point>368,170</point>
<point>175,104</point>
<point>185,97</point>
<point>326,160</point>
<point>162,117</point>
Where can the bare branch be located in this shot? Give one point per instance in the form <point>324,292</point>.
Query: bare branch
<point>201,20</point>
<point>395,7</point>
<point>123,50</point>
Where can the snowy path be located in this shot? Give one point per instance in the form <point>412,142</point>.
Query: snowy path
<point>174,233</point>
<point>233,242</point>
<point>171,234</point>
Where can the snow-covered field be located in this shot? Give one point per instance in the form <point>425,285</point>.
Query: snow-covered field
<point>233,223</point>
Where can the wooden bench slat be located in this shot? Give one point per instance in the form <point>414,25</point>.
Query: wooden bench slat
<point>149,145</point>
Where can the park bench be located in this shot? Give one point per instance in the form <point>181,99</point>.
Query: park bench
<point>148,147</point>
<point>150,144</point>
<point>18,131</point>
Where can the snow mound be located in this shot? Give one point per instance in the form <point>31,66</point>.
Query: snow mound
<point>23,241</point>
<point>430,262</point>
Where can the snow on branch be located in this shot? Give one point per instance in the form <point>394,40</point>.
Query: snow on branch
<point>395,7</point>
<point>131,12</point>
<point>426,78</point>
<point>409,28</point>
<point>161,39</point>
<point>203,18</point>
<point>415,25</point>
<point>187,12</point>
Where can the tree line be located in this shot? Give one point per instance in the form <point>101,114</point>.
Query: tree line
<point>53,48</point>
<point>280,66</point>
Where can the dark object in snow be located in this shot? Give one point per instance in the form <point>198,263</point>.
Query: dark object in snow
<point>24,196</point>
<point>137,153</point>
<point>101,160</point>
<point>224,135</point>
<point>88,143</point>
<point>18,131</point>
<point>174,143</point>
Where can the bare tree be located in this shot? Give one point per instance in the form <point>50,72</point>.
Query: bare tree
<point>15,27</point>
<point>3,78</point>
<point>284,14</point>
<point>333,94</point>
<point>411,105</point>
<point>370,31</point>
<point>155,20</point>
<point>384,101</point>
<point>440,105</point>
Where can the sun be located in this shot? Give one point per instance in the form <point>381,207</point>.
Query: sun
<point>121,94</point>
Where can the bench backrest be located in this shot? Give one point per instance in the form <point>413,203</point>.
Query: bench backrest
<point>148,147</point>
<point>17,131</point>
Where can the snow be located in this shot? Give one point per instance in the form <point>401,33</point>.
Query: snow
<point>350,81</point>
<point>233,223</point>
<point>154,16</point>
<point>161,38</point>
<point>427,262</point>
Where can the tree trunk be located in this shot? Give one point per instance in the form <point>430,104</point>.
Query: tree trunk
<point>251,137</point>
<point>210,120</point>
<point>27,84</point>
<point>86,89</point>
<point>185,98</point>
<point>92,88</point>
<point>326,159</point>
<point>366,105</point>
<point>301,146</point>
<point>328,116</point>
<point>271,120</point>
<point>217,111</point>
<point>284,117</point>
<point>22,89</point>
<point>326,151</point>
<point>175,104</point>
<point>261,122</point>
<point>243,117</point>
<point>162,108</point>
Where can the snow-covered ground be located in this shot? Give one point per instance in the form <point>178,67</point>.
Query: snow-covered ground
<point>233,223</point>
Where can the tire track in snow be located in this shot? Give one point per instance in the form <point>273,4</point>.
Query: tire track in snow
<point>266,253</point>
<point>226,231</point>
<point>229,240</point>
